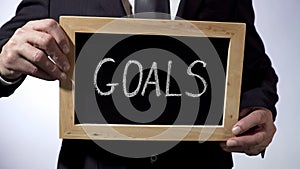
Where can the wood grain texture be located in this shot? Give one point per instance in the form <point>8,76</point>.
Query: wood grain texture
<point>234,31</point>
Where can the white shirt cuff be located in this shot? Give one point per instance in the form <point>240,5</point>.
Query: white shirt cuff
<point>8,83</point>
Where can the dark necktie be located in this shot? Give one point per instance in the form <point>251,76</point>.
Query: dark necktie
<point>152,6</point>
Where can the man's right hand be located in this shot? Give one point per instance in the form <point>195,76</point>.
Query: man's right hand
<point>28,51</point>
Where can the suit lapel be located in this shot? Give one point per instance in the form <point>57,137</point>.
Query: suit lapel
<point>127,7</point>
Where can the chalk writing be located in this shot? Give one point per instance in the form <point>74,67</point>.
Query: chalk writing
<point>153,72</point>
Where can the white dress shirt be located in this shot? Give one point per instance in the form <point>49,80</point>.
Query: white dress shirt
<point>174,4</point>
<point>7,83</point>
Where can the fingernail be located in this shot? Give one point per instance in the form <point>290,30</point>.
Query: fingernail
<point>63,76</point>
<point>236,130</point>
<point>66,50</point>
<point>231,143</point>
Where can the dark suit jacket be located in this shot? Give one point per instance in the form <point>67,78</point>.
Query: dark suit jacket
<point>258,85</point>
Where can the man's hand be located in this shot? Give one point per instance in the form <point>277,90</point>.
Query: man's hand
<point>29,50</point>
<point>254,132</point>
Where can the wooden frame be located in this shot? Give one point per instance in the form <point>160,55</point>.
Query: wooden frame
<point>234,31</point>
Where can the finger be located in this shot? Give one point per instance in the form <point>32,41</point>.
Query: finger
<point>254,119</point>
<point>7,62</point>
<point>47,43</point>
<point>257,149</point>
<point>18,53</point>
<point>23,66</point>
<point>250,140</point>
<point>232,149</point>
<point>251,143</point>
<point>41,63</point>
<point>34,71</point>
<point>224,146</point>
<point>250,150</point>
<point>52,28</point>
<point>255,139</point>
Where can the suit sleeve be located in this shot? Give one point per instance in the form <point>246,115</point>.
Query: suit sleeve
<point>27,10</point>
<point>259,84</point>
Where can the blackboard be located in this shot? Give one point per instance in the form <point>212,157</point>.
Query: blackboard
<point>169,78</point>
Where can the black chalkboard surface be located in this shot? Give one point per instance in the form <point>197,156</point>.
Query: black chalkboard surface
<point>124,51</point>
<point>143,77</point>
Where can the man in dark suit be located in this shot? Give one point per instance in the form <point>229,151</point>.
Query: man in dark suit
<point>30,37</point>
